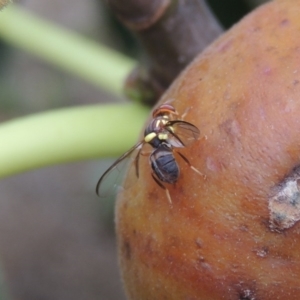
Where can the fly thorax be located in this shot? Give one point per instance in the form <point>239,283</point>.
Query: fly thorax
<point>152,139</point>
<point>156,133</point>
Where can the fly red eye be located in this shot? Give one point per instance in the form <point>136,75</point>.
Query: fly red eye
<point>164,109</point>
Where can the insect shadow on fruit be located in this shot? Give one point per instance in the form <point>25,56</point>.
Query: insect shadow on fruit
<point>166,134</point>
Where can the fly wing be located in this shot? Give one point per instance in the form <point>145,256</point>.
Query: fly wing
<point>111,182</point>
<point>182,133</point>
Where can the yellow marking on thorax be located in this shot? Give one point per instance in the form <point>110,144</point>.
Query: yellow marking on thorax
<point>161,122</point>
<point>149,137</point>
<point>171,128</point>
<point>163,136</point>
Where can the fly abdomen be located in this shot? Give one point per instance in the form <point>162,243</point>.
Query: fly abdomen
<point>164,164</point>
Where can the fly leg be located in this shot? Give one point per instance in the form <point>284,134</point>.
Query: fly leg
<point>137,160</point>
<point>192,167</point>
<point>163,187</point>
<point>136,163</point>
<point>185,113</point>
<point>146,153</point>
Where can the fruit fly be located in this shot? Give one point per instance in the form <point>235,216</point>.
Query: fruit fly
<point>164,134</point>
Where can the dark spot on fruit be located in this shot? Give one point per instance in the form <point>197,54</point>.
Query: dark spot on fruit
<point>284,22</point>
<point>246,294</point>
<point>246,297</point>
<point>127,249</point>
<point>246,290</point>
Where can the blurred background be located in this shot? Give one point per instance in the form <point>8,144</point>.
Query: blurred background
<point>56,238</point>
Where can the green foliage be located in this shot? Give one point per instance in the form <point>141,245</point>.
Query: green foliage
<point>79,133</point>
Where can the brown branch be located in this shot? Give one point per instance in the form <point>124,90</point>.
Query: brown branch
<point>172,33</point>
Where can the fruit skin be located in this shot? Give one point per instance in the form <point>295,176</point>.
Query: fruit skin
<point>215,241</point>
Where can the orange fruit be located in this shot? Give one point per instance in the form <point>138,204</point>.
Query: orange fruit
<point>233,233</point>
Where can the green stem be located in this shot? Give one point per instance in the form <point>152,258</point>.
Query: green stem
<point>91,61</point>
<point>66,135</point>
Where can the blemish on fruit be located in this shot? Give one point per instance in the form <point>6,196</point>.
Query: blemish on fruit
<point>226,95</point>
<point>199,243</point>
<point>225,46</point>
<point>284,203</point>
<point>245,290</point>
<point>284,22</point>
<point>246,294</point>
<point>296,82</point>
<point>232,129</point>
<point>256,29</point>
<point>127,249</point>
<point>267,71</point>
<point>261,252</point>
<point>202,265</point>
<point>212,164</point>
